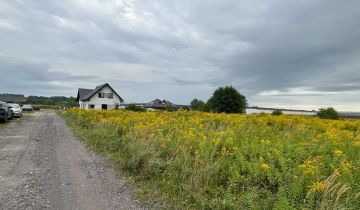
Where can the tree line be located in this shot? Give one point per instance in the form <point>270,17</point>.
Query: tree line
<point>53,100</point>
<point>228,100</point>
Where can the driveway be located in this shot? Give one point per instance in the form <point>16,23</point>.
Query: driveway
<point>43,166</point>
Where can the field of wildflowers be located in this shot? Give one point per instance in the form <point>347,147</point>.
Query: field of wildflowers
<point>231,161</point>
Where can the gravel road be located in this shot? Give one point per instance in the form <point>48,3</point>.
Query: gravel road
<point>43,166</point>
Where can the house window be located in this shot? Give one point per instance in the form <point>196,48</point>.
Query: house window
<point>106,95</point>
<point>109,95</point>
<point>104,106</point>
<point>91,106</point>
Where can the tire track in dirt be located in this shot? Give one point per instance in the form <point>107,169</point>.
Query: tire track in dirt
<point>43,166</point>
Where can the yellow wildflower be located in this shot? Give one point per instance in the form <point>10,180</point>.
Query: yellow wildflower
<point>356,143</point>
<point>264,166</point>
<point>265,141</point>
<point>318,187</point>
<point>310,166</point>
<point>338,153</point>
<point>346,166</point>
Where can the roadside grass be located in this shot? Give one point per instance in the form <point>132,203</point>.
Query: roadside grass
<point>194,160</point>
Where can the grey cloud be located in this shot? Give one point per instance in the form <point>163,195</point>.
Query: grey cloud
<point>186,49</point>
<point>34,77</point>
<point>299,56</point>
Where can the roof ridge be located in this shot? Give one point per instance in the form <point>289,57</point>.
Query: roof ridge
<point>91,92</point>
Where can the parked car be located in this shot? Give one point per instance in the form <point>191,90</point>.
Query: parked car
<point>27,107</point>
<point>16,109</point>
<point>36,107</point>
<point>5,113</point>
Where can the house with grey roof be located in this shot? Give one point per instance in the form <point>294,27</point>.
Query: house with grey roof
<point>103,97</point>
<point>158,104</point>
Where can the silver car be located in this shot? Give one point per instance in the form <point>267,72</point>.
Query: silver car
<point>27,107</point>
<point>16,109</point>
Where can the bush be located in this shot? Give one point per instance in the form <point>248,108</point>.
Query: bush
<point>133,107</point>
<point>328,113</point>
<point>197,104</point>
<point>277,112</point>
<point>227,99</point>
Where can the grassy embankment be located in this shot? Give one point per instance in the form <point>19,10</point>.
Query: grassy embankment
<point>218,161</point>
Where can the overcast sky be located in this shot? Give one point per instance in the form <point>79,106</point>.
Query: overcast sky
<point>278,53</point>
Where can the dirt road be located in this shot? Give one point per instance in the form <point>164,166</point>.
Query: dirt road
<point>43,166</point>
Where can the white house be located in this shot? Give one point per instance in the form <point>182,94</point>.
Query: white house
<point>102,97</point>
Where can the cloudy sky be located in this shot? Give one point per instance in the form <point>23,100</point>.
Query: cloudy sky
<point>278,53</point>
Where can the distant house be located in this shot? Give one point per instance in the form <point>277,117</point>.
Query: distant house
<point>158,104</point>
<point>164,104</point>
<point>102,97</point>
<point>13,98</point>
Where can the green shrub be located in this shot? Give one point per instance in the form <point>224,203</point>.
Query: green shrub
<point>198,105</point>
<point>328,113</point>
<point>228,100</point>
<point>134,108</point>
<point>277,112</point>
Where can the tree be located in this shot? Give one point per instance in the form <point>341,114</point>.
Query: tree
<point>53,100</point>
<point>197,105</point>
<point>277,112</point>
<point>227,99</point>
<point>328,113</point>
<point>134,108</point>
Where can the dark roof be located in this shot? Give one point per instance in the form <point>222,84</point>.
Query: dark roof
<point>13,98</point>
<point>157,103</point>
<point>86,94</point>
<point>82,92</point>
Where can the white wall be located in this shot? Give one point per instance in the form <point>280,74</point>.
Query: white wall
<point>95,100</point>
<point>81,104</point>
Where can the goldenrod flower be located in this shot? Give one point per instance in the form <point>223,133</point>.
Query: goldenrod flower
<point>346,166</point>
<point>265,141</point>
<point>338,153</point>
<point>310,166</point>
<point>264,166</point>
<point>318,187</point>
<point>356,143</point>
